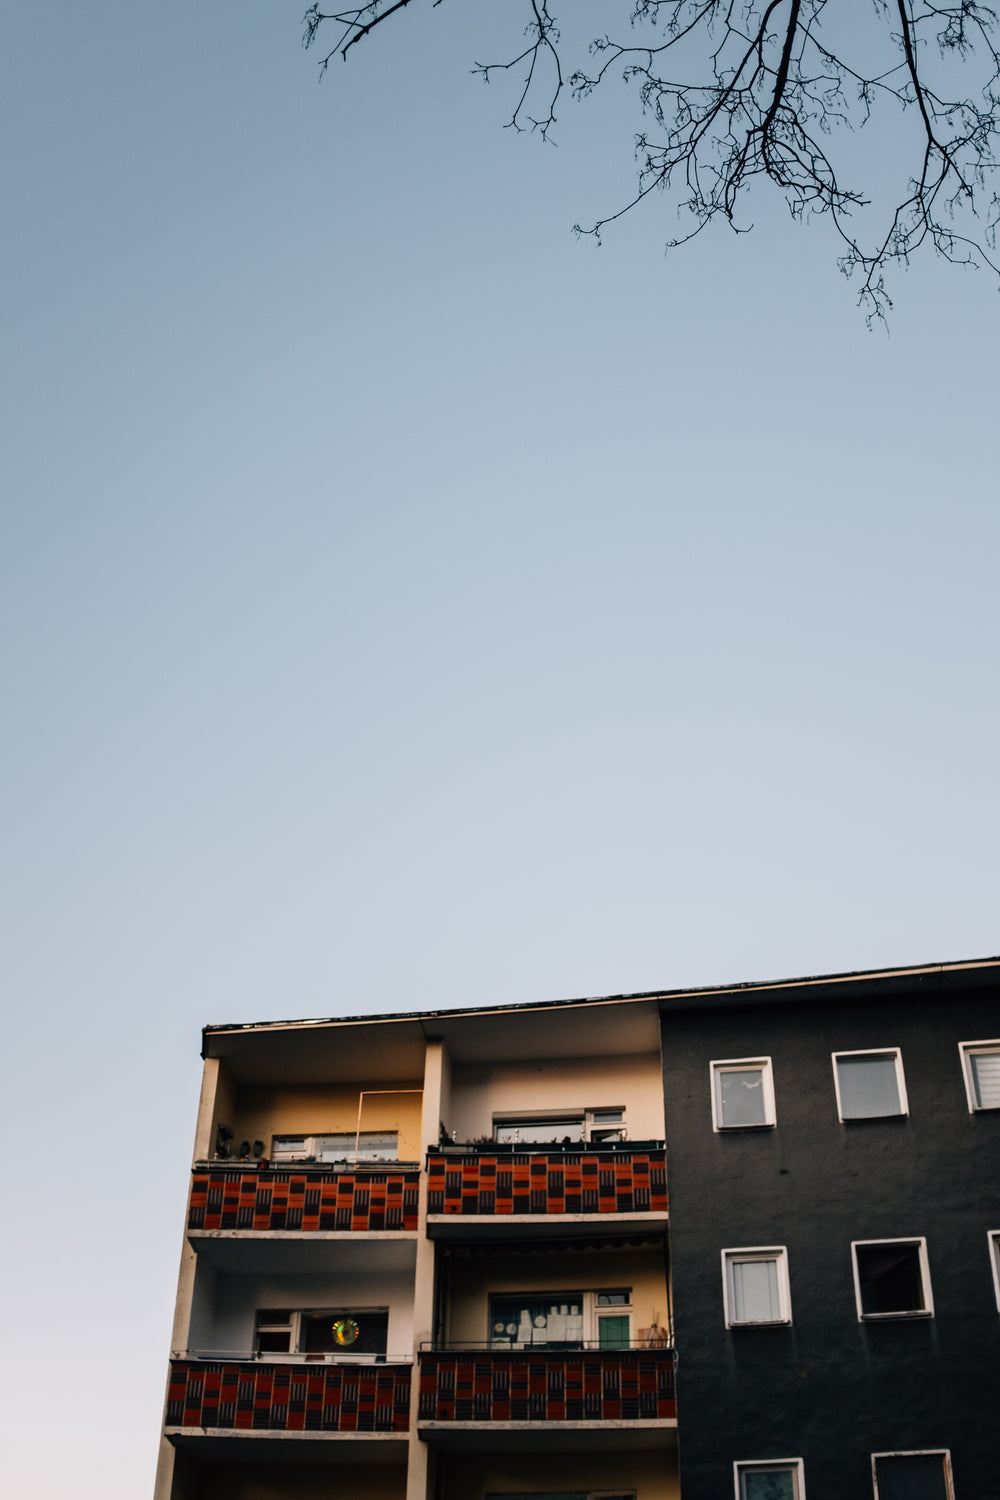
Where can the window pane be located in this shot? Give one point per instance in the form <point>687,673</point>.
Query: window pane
<point>539,1132</point>
<point>272,1341</point>
<point>741,1096</point>
<point>289,1145</point>
<point>373,1145</point>
<point>918,1476</point>
<point>768,1484</point>
<point>867,1087</point>
<point>517,1322</point>
<point>755,1291</point>
<point>345,1332</point>
<point>986,1079</point>
<point>612,1332</point>
<point>890,1278</point>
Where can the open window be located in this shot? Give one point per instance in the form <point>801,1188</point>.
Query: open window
<point>922,1475</point>
<point>994,1243</point>
<point>372,1146</point>
<point>869,1085</point>
<point>981,1070</point>
<point>742,1093</point>
<point>755,1286</point>
<point>561,1320</point>
<point>594,1126</point>
<point>891,1279</point>
<point>323,1333</point>
<point>770,1479</point>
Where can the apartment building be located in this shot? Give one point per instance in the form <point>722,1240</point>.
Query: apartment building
<point>427,1256</point>
<point>834,1154</point>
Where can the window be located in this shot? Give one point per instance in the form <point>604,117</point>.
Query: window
<point>566,1495</point>
<point>981,1069</point>
<point>596,1126</point>
<point>994,1244</point>
<point>869,1085</point>
<point>755,1286</point>
<point>561,1320</point>
<point>891,1279</point>
<point>742,1093</point>
<point>372,1146</point>
<point>913,1476</point>
<point>770,1479</point>
<point>314,1332</point>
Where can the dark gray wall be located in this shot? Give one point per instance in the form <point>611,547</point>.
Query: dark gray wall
<point>830,1389</point>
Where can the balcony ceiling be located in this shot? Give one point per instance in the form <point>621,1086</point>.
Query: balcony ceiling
<point>237,1252</point>
<point>391,1048</point>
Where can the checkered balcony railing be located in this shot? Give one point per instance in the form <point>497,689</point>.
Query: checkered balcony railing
<point>231,1394</point>
<point>302,1199</point>
<point>598,1182</point>
<point>585,1386</point>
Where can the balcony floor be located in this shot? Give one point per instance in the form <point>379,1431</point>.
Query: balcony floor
<point>551,1437</point>
<point>236,1445</point>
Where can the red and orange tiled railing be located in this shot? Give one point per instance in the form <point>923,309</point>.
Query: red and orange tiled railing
<point>565,1386</point>
<point>233,1394</point>
<point>234,1197</point>
<point>619,1182</point>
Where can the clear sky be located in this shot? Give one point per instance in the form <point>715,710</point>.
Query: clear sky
<point>407,605</point>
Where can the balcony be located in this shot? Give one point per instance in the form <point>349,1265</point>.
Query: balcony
<point>302,1200</point>
<point>624,1184</point>
<point>574,1388</point>
<point>211,1398</point>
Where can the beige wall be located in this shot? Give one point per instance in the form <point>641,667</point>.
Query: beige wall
<point>470,1283</point>
<point>653,1476</point>
<point>294,1481</point>
<point>223,1105</point>
<point>481,1090</point>
<point>259,1113</point>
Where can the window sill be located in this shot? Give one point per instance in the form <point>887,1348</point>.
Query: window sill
<point>770,1323</point>
<point>895,1317</point>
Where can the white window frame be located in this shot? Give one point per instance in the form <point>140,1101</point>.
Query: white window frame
<point>944,1453</point>
<point>792,1465</point>
<point>896,1054</point>
<point>584,1118</point>
<point>777,1253</point>
<point>993,1239</point>
<point>312,1152</point>
<point>591,1312</point>
<point>738,1065</point>
<point>966,1051</point>
<point>295,1354</point>
<point>925,1280</point>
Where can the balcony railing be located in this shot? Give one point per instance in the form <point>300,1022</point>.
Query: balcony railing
<point>557,1182</point>
<point>232,1395</point>
<point>302,1199</point>
<point>585,1385</point>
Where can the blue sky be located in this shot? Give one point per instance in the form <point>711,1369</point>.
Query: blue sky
<point>407,605</point>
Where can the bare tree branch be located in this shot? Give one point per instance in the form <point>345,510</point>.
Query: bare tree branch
<point>732,96</point>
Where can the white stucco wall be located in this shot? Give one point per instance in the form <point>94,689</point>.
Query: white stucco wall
<point>226,1323</point>
<point>481,1090</point>
<point>472,1281</point>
